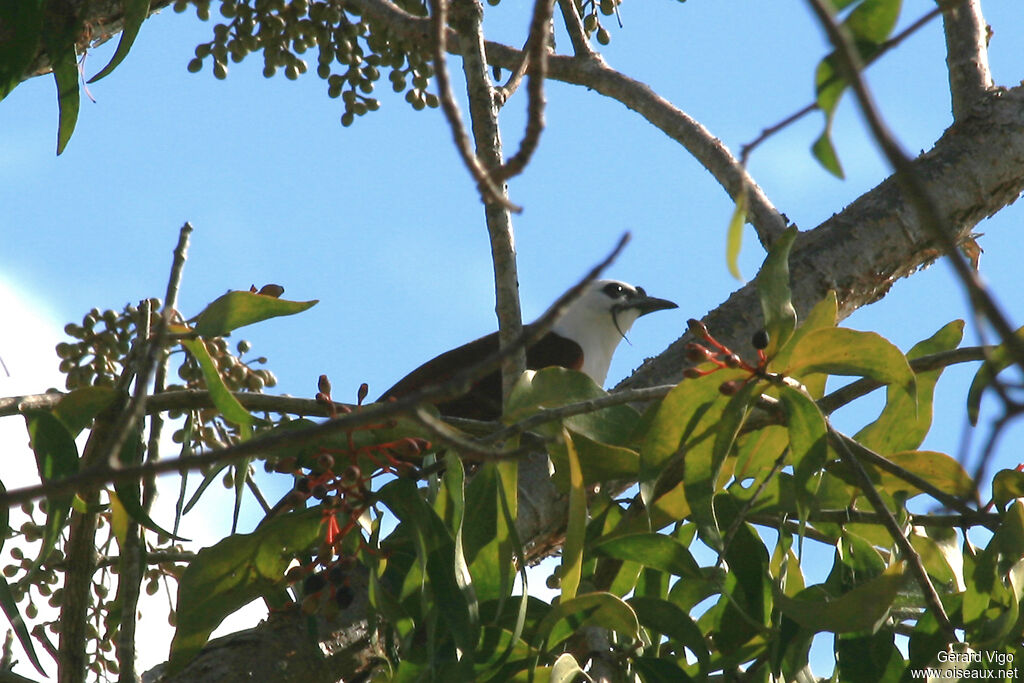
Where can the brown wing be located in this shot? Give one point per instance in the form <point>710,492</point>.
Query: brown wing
<point>483,401</point>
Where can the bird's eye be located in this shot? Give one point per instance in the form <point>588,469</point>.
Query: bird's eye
<point>613,289</point>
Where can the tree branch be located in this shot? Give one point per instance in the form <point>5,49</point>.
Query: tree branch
<point>467,19</point>
<point>485,180</point>
<point>638,96</point>
<point>966,54</point>
<point>536,68</point>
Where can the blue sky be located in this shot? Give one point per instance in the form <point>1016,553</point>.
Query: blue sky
<point>381,222</point>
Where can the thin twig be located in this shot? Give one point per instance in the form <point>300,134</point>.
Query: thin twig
<point>931,596</point>
<point>537,68</point>
<point>638,96</point>
<point>474,451</point>
<point>578,408</point>
<point>574,26</point>
<point>459,384</point>
<point>888,45</point>
<point>854,390</point>
<point>914,187</point>
<point>490,191</point>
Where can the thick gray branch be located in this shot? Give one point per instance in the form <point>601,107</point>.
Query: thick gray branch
<point>966,54</point>
<point>974,170</point>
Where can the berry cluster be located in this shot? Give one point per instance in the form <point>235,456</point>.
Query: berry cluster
<point>103,342</point>
<point>589,9</point>
<point>350,50</point>
<point>340,481</point>
<point>721,356</point>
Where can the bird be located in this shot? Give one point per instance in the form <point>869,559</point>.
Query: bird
<point>583,338</point>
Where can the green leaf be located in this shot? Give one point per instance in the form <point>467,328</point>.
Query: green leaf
<point>869,657</point>
<point>576,524</point>
<point>701,474</point>
<point>861,609</point>
<point>873,20</point>
<point>734,235</point>
<point>825,152</point>
<point>127,493</point>
<point>61,27</point>
<point>939,469</point>
<point>237,309</point>
<point>773,290</point>
<point>824,315</point>
<point>232,573</point>
<point>222,398</point>
<point>841,351</point>
<point>666,618</point>
<point>600,462</point>
<point>688,415</point>
<point>436,551</point>
<point>7,601</point>
<point>78,408</point>
<point>808,438</point>
<point>21,24</point>
<point>569,616</point>
<point>998,360</point>
<point>565,669</point>
<point>903,422</point>
<point>659,670</point>
<point>555,386</point>
<point>656,551</point>
<point>1006,486</point>
<point>17,622</point>
<point>868,25</point>
<point>135,12</point>
<point>56,459</point>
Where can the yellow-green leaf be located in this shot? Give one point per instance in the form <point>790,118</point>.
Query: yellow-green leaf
<point>734,236</point>
<point>237,309</point>
<point>841,351</point>
<point>860,609</point>
<point>774,292</point>
<point>232,573</point>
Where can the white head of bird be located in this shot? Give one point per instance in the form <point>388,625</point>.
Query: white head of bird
<point>600,319</point>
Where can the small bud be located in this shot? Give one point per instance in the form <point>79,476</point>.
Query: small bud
<point>760,340</point>
<point>697,327</point>
<point>336,574</point>
<point>325,461</point>
<point>364,389</point>
<point>407,448</point>
<point>731,387</point>
<point>302,485</point>
<point>322,398</point>
<point>695,353</point>
<point>319,491</point>
<point>324,385</point>
<point>274,291</point>
<point>295,574</point>
<point>343,597</point>
<point>733,361</point>
<point>691,373</point>
<point>310,604</point>
<point>314,583</point>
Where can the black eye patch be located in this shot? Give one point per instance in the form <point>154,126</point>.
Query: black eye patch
<point>613,290</point>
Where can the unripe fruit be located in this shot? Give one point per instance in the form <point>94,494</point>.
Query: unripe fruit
<point>314,583</point>
<point>343,597</point>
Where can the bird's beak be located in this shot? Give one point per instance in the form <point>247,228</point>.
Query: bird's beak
<point>650,304</point>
